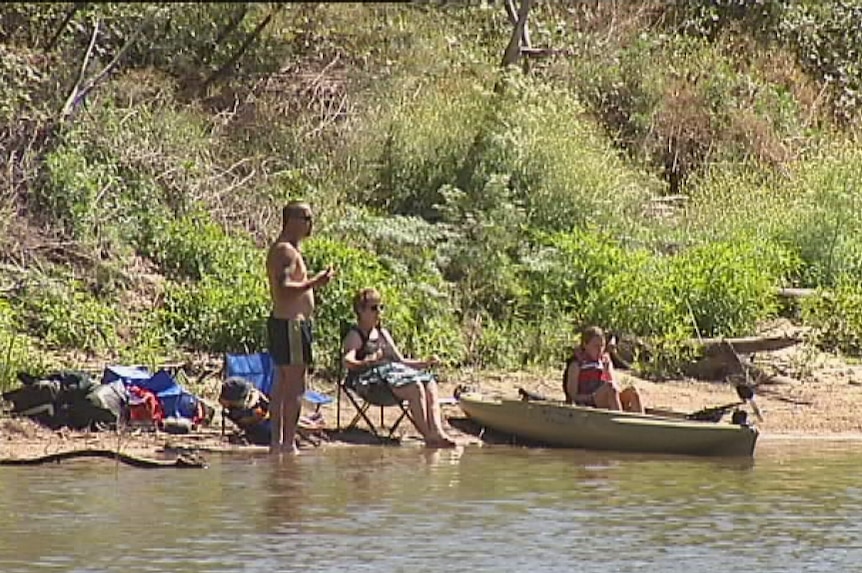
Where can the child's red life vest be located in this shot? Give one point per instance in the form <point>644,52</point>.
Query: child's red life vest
<point>590,372</point>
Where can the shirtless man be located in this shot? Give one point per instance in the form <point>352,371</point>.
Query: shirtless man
<point>289,324</point>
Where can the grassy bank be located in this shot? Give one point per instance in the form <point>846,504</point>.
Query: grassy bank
<point>660,172</point>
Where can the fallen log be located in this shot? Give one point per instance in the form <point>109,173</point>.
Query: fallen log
<point>717,358</point>
<point>744,345</point>
<point>181,461</point>
<point>796,293</point>
<point>765,378</point>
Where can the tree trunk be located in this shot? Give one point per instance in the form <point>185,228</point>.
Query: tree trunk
<point>513,50</point>
<point>223,71</point>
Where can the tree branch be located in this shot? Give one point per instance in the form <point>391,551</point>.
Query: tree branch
<point>112,64</point>
<point>511,12</point>
<point>546,52</point>
<point>70,101</point>
<point>223,70</point>
<point>79,94</point>
<point>69,15</point>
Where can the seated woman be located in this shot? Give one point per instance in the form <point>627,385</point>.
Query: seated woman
<point>589,377</point>
<point>371,356</point>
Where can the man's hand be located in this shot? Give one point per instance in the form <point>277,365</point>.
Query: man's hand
<point>322,278</point>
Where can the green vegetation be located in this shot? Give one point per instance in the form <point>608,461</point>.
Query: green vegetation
<point>660,173</point>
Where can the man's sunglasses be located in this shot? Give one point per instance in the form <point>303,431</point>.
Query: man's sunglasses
<point>306,218</point>
<point>376,307</point>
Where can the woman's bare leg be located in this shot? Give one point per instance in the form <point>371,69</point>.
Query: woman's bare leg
<point>435,416</point>
<point>414,393</point>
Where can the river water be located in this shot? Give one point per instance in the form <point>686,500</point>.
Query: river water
<point>797,506</point>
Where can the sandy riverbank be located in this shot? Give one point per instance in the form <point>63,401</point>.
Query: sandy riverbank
<point>824,401</point>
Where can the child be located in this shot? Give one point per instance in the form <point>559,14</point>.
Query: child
<point>589,377</point>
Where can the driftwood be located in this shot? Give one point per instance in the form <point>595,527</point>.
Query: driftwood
<point>717,358</point>
<point>771,379</point>
<point>181,461</point>
<point>745,345</point>
<point>795,293</point>
<point>720,358</point>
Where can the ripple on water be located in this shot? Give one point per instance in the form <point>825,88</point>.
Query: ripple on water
<point>793,508</point>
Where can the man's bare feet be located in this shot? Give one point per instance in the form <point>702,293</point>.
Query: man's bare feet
<point>291,449</point>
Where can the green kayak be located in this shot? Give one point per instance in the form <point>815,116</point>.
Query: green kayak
<point>565,425</point>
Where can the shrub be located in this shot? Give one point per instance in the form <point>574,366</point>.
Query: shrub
<point>836,316</point>
<point>64,314</point>
<point>728,288</point>
<point>18,351</point>
<point>407,250</point>
<point>809,212</point>
<point>193,246</point>
<point>75,193</point>
<point>826,37</point>
<point>219,314</point>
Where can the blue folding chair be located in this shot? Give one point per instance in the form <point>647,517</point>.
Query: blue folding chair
<point>258,370</point>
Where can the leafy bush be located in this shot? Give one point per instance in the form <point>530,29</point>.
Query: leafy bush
<point>837,317</point>
<point>18,351</point>
<point>728,288</point>
<point>75,190</point>
<point>489,206</point>
<point>701,104</point>
<point>193,247</point>
<point>219,314</point>
<point>62,313</point>
<point>407,250</point>
<point>826,37</point>
<point>809,212</point>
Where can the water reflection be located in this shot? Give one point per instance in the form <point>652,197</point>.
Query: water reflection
<point>793,508</point>
<point>284,494</point>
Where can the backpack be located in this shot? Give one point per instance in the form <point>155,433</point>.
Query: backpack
<point>49,399</point>
<point>247,407</point>
<point>104,405</point>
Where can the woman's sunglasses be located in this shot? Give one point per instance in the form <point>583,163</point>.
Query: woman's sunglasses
<point>376,307</point>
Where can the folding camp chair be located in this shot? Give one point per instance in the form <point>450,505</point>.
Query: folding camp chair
<point>258,370</point>
<point>381,396</point>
